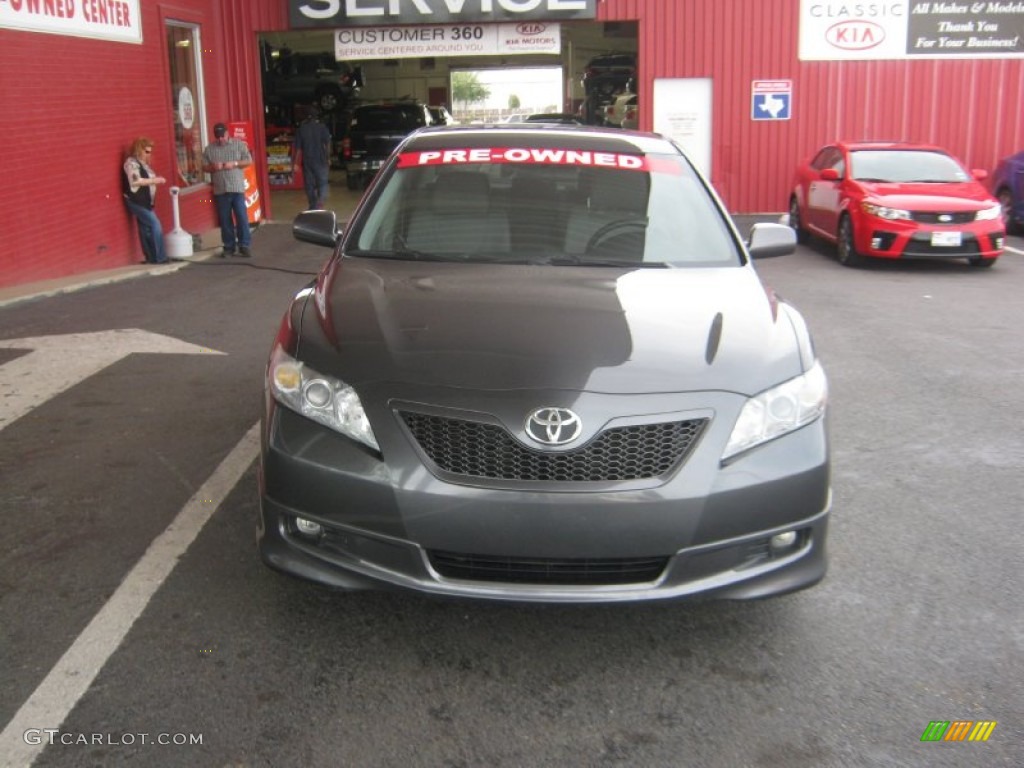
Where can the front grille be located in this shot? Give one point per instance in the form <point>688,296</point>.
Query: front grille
<point>488,451</point>
<point>935,217</point>
<point>920,246</point>
<point>552,571</point>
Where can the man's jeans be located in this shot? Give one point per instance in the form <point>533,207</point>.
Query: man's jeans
<point>315,179</point>
<point>151,233</point>
<point>233,233</point>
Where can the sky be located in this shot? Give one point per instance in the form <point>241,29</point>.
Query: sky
<point>537,88</point>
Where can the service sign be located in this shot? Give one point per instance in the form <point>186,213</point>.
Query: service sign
<point>372,13</point>
<point>836,30</point>
<point>448,40</point>
<point>116,20</point>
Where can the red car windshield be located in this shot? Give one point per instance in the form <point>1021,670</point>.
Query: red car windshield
<point>905,166</point>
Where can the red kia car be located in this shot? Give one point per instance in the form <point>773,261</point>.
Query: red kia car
<point>896,200</point>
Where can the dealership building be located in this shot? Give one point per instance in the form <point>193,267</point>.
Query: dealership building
<point>747,87</point>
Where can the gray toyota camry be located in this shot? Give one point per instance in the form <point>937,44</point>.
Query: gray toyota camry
<point>540,366</point>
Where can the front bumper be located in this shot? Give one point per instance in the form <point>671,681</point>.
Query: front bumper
<point>364,166</point>
<point>706,530</point>
<point>883,239</point>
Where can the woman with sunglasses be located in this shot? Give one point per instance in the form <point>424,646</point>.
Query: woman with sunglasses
<point>139,184</point>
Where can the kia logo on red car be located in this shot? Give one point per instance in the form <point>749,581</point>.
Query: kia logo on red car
<point>855,35</point>
<point>530,29</point>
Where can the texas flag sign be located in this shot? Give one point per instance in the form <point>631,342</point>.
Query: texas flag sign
<point>771,99</point>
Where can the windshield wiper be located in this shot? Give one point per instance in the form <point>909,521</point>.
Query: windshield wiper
<point>625,263</point>
<point>407,254</point>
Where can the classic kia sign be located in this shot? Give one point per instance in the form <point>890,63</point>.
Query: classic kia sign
<point>836,30</point>
<point>345,13</point>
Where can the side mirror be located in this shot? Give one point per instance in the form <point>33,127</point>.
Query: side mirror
<point>769,240</point>
<point>829,174</point>
<point>317,227</point>
<point>979,173</point>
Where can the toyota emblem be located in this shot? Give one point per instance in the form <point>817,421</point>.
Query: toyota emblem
<point>553,426</point>
<point>945,217</point>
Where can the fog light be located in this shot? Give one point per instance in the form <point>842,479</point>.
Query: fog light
<point>783,541</point>
<point>876,243</point>
<point>308,527</point>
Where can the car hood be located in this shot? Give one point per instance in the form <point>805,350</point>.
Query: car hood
<point>500,327</point>
<point>962,196</point>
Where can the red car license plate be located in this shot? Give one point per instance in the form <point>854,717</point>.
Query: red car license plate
<point>946,239</point>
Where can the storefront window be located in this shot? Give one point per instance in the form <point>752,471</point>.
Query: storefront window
<point>186,98</point>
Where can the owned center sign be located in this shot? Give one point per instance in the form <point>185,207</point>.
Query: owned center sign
<point>447,40</point>
<point>372,13</point>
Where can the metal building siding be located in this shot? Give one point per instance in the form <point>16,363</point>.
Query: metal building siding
<point>970,106</point>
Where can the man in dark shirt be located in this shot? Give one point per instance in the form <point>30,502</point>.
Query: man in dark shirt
<point>313,149</point>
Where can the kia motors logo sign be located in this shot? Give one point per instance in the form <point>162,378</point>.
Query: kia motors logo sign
<point>855,35</point>
<point>528,30</point>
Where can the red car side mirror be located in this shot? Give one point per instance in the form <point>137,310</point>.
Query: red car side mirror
<point>979,173</point>
<point>829,174</point>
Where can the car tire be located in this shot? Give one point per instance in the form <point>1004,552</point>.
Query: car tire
<point>329,99</point>
<point>848,254</point>
<point>981,263</point>
<point>802,235</point>
<point>1006,201</point>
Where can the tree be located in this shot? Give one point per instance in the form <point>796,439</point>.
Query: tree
<point>467,89</point>
<point>513,102</point>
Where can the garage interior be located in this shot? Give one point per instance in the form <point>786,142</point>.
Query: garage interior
<point>427,80</point>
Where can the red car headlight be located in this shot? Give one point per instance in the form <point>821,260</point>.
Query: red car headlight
<point>883,212</point>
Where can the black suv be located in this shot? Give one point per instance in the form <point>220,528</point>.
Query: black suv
<point>605,77</point>
<point>309,78</point>
<point>373,132</point>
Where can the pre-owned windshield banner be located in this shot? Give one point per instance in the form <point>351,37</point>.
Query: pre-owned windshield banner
<point>905,29</point>
<point>541,156</point>
<point>370,13</point>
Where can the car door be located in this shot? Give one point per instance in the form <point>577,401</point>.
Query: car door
<point>823,194</point>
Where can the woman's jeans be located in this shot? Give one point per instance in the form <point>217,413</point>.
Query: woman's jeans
<point>233,234</point>
<point>151,233</point>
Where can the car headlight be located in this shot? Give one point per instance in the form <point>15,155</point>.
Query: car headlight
<point>883,212</point>
<point>324,399</point>
<point>989,214</point>
<point>778,411</point>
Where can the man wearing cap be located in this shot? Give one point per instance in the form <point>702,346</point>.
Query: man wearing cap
<point>225,160</point>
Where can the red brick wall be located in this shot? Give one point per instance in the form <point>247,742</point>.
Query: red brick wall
<point>71,106</point>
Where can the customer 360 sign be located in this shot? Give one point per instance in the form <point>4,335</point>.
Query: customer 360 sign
<point>446,40</point>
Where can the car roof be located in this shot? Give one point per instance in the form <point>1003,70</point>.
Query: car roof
<point>540,135</point>
<point>390,103</point>
<point>853,145</point>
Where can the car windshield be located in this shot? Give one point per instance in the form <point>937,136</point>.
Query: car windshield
<point>902,166</point>
<point>546,207</point>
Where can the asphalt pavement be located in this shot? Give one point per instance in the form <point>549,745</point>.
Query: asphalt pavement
<point>140,627</point>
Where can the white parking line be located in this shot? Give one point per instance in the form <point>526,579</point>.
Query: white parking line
<point>58,693</point>
<point>1013,250</point>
